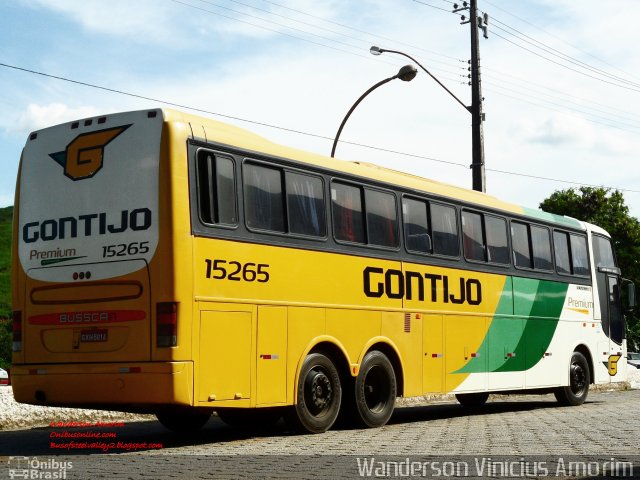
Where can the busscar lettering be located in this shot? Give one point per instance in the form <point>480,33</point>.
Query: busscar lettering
<point>87,225</point>
<point>410,285</point>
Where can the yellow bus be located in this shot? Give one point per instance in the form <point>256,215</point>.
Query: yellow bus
<point>172,264</point>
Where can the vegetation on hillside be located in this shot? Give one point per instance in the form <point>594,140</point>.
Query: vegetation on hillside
<point>6,216</point>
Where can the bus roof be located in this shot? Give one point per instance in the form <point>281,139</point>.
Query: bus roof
<point>206,129</point>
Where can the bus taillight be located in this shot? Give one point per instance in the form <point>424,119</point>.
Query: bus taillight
<point>167,324</point>
<point>17,331</point>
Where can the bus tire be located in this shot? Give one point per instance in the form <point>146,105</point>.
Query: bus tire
<point>182,421</point>
<point>472,400</point>
<point>254,418</point>
<point>319,395</point>
<point>375,390</point>
<point>576,392</point>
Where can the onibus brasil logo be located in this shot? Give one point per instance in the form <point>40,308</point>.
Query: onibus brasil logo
<point>83,157</point>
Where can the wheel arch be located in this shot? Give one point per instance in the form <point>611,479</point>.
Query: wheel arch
<point>383,345</point>
<point>584,350</point>
<point>332,349</point>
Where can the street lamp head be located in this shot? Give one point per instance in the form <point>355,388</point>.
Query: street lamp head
<point>375,50</point>
<point>407,73</point>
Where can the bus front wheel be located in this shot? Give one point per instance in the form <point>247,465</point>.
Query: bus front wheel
<point>184,420</point>
<point>319,395</point>
<point>579,379</point>
<point>375,390</point>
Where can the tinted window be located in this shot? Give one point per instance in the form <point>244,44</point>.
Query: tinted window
<point>541,244</point>
<point>497,247</point>
<point>603,252</point>
<point>264,206</point>
<point>216,189</point>
<point>348,223</point>
<point>444,229</point>
<point>416,226</point>
<point>472,237</point>
<point>561,246</point>
<point>521,246</point>
<point>381,218</point>
<point>579,255</point>
<point>305,202</point>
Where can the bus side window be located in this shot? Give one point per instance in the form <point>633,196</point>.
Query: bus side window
<point>305,204</point>
<point>416,226</point>
<point>561,244</point>
<point>216,182</point>
<point>444,227</point>
<point>497,245</point>
<point>541,246</point>
<point>472,236</point>
<point>264,206</point>
<point>348,222</point>
<point>579,256</point>
<point>382,222</point>
<point>521,245</point>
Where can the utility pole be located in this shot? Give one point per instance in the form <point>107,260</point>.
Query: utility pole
<point>477,114</point>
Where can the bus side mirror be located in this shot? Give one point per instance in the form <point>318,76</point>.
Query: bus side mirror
<point>631,294</point>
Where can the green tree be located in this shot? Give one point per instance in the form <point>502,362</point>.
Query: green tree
<point>6,215</point>
<point>608,210</point>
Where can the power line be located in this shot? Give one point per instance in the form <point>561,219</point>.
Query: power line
<point>377,36</point>
<point>563,65</point>
<point>577,63</point>
<point>558,54</point>
<point>314,25</point>
<point>557,38</point>
<point>432,6</point>
<point>291,130</point>
<point>290,35</point>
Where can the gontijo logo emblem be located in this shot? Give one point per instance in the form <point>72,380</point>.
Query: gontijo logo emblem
<point>84,155</point>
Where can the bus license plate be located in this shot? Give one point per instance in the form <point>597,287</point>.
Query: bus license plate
<point>89,336</point>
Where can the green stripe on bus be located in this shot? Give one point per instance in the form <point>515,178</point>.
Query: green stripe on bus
<point>551,217</point>
<point>517,340</point>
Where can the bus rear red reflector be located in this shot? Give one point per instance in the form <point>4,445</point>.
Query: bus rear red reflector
<point>16,326</point>
<point>88,317</point>
<point>130,370</point>
<point>167,324</point>
<point>37,371</point>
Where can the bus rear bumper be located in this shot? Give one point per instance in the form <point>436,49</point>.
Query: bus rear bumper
<point>128,387</point>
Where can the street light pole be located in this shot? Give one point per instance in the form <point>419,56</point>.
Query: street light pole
<point>406,74</point>
<point>477,165</point>
<point>477,116</point>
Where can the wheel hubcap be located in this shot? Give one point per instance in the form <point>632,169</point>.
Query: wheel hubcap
<point>318,391</point>
<point>578,379</point>
<point>376,389</point>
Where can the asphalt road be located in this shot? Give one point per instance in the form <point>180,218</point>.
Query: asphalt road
<point>530,430</point>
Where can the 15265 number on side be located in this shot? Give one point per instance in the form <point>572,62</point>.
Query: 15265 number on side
<point>237,271</point>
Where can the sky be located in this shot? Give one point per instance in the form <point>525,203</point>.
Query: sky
<point>560,80</point>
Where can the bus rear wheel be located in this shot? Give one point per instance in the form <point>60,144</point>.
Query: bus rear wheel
<point>319,395</point>
<point>472,400</point>
<point>375,390</point>
<point>184,420</point>
<point>579,379</point>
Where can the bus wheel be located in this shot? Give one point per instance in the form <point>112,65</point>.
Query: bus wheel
<point>579,379</point>
<point>375,390</point>
<point>184,420</point>
<point>473,400</point>
<point>258,418</point>
<point>319,395</point>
